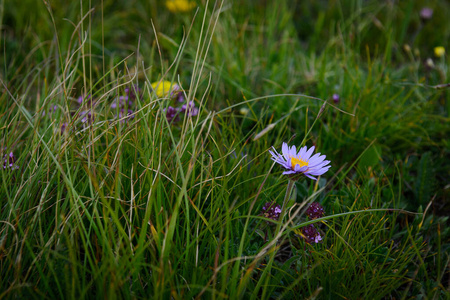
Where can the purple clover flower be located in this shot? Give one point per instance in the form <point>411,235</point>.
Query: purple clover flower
<point>121,102</point>
<point>9,162</point>
<point>180,97</point>
<point>190,108</point>
<point>310,234</point>
<point>132,91</point>
<point>85,100</point>
<point>271,210</point>
<point>301,163</point>
<point>171,113</point>
<point>87,116</point>
<point>315,211</point>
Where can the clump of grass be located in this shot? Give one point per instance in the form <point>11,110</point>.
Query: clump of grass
<point>123,201</point>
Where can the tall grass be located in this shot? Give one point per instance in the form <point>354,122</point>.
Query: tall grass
<point>109,205</point>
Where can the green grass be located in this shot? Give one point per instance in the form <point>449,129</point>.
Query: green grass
<point>142,207</point>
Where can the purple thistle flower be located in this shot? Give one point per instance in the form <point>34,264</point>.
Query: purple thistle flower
<point>310,234</point>
<point>191,109</point>
<point>301,163</point>
<point>271,210</point>
<point>9,161</point>
<point>314,211</point>
<point>426,13</point>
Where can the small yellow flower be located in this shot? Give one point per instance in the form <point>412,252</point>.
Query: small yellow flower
<point>244,111</point>
<point>181,6</point>
<point>439,51</point>
<point>164,88</point>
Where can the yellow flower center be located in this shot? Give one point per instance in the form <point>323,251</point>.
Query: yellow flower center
<point>298,161</point>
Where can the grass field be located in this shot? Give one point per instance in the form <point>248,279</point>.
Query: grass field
<point>136,143</point>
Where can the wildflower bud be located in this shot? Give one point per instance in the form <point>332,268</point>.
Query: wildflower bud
<point>322,109</point>
<point>426,13</point>
<point>429,64</point>
<point>271,210</point>
<point>244,111</point>
<point>314,211</point>
<point>407,48</point>
<point>336,98</point>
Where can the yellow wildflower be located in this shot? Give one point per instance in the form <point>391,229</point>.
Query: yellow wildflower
<point>164,88</point>
<point>181,6</point>
<point>439,51</point>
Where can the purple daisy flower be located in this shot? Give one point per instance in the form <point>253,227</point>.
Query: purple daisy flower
<point>301,162</point>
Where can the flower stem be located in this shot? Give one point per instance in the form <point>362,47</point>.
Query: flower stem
<point>264,277</point>
<point>285,202</point>
<point>284,208</point>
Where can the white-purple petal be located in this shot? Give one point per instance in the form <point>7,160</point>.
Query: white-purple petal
<point>308,154</point>
<point>302,152</point>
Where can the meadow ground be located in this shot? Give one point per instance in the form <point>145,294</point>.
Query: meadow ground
<point>136,144</point>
